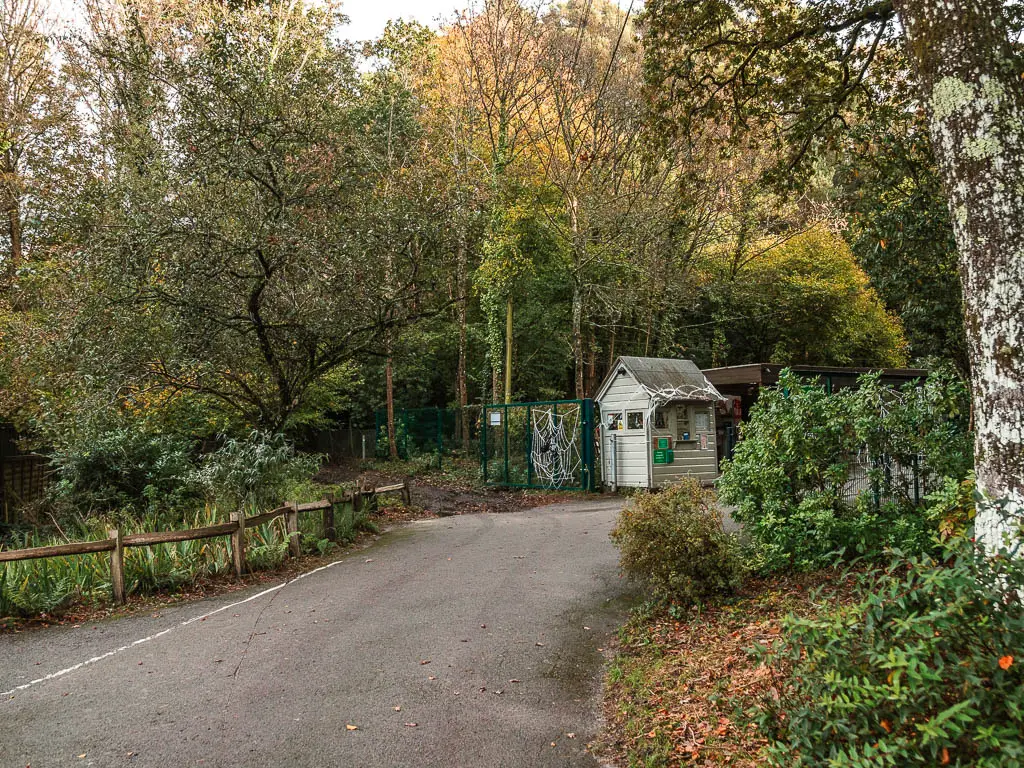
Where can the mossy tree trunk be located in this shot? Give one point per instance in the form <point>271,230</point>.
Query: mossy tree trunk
<point>970,80</point>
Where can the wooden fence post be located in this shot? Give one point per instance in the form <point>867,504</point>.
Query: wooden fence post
<point>291,527</point>
<point>117,565</point>
<point>406,493</point>
<point>330,533</point>
<point>238,543</point>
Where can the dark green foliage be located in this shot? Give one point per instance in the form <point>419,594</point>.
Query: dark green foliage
<point>901,233</point>
<point>794,475</point>
<point>925,667</point>
<point>673,540</point>
<point>123,468</point>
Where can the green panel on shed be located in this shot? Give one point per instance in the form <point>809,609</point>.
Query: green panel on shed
<point>664,456</point>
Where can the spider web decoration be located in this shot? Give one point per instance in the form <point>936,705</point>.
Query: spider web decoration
<point>660,397</point>
<point>555,447</point>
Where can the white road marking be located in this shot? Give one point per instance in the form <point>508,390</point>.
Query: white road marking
<point>108,654</point>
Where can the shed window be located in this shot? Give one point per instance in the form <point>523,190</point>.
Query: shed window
<point>613,421</point>
<point>701,421</point>
<point>660,419</point>
<point>634,419</point>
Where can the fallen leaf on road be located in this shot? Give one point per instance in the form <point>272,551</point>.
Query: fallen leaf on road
<point>539,645</point>
<point>397,709</point>
<point>410,725</point>
<point>351,727</point>
<point>513,680</point>
<point>571,735</point>
<point>431,677</point>
<point>369,560</point>
<point>81,756</point>
<point>425,661</point>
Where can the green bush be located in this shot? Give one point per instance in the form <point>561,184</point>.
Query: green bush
<point>255,471</point>
<point>123,468</point>
<point>674,541</point>
<point>924,667</point>
<point>790,476</point>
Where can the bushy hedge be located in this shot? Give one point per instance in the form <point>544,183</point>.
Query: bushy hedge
<point>800,448</point>
<point>128,470</point>
<point>673,540</point>
<point>925,667</point>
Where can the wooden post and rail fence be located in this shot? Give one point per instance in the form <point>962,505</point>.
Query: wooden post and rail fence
<point>235,528</point>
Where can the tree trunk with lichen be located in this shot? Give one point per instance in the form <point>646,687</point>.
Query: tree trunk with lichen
<point>971,82</point>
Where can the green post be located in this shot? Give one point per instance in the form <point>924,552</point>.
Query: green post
<point>529,445</point>
<point>587,479</point>
<point>440,437</point>
<point>505,426</point>
<point>483,442</point>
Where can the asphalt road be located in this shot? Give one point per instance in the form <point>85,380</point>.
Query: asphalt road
<point>464,641</point>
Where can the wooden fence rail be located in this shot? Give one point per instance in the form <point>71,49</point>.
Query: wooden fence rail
<point>116,543</point>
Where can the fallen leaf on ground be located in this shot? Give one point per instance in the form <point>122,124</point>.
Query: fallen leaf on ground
<point>397,709</point>
<point>351,727</point>
<point>410,725</point>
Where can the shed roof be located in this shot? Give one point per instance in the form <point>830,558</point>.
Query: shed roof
<point>669,378</point>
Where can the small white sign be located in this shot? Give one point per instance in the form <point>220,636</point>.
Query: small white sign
<point>703,441</point>
<point>495,418</point>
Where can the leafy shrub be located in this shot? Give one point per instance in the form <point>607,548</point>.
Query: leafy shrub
<point>123,468</point>
<point>674,541</point>
<point>28,588</point>
<point>923,668</point>
<point>952,508</point>
<point>254,471</point>
<point>795,472</point>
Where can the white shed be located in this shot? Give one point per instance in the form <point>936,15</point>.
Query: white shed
<point>657,423</point>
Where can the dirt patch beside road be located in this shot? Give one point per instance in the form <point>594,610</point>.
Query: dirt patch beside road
<point>439,493</point>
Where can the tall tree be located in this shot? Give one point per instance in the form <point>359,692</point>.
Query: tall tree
<point>34,110</point>
<point>494,63</point>
<point>229,262</point>
<point>803,70</point>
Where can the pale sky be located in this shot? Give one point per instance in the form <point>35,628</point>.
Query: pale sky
<point>367,17</point>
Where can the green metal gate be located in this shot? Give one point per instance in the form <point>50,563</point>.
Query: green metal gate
<point>539,445</point>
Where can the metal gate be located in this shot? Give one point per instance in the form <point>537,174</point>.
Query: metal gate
<point>539,445</point>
